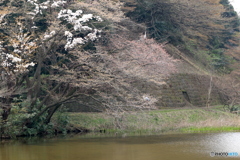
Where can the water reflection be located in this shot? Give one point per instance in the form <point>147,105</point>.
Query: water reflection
<point>224,142</point>
<point>166,147</point>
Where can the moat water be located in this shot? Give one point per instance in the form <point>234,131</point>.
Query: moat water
<point>161,147</point>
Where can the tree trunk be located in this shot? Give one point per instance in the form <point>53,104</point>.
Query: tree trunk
<point>51,112</point>
<point>6,107</point>
<point>209,93</point>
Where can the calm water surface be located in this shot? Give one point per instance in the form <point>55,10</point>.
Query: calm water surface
<point>161,147</point>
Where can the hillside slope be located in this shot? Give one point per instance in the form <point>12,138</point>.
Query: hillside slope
<point>151,54</point>
<point>197,34</point>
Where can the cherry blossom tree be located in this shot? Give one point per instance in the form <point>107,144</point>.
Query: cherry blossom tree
<point>40,53</point>
<point>142,57</point>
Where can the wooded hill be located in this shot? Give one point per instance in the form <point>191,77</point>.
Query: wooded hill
<point>206,31</point>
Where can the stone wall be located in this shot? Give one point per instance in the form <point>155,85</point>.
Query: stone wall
<point>189,89</point>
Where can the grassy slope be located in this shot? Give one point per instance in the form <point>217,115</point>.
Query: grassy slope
<point>158,121</point>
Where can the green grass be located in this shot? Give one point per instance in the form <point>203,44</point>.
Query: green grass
<point>165,120</point>
<point>92,121</point>
<point>209,129</point>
